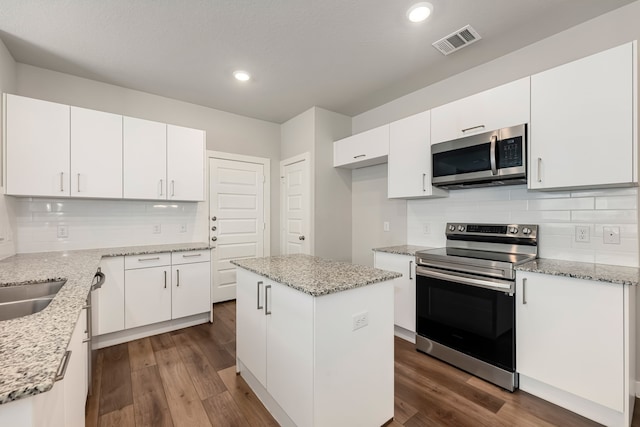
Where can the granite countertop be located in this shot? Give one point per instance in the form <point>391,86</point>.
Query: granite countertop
<point>403,249</point>
<point>32,347</point>
<point>583,270</point>
<point>315,276</point>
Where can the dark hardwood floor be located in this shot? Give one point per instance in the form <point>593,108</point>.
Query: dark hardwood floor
<point>187,378</point>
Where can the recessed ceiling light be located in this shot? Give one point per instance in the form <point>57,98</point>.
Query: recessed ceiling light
<point>419,12</point>
<point>243,76</point>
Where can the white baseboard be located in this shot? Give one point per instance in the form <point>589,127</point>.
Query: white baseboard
<point>405,334</point>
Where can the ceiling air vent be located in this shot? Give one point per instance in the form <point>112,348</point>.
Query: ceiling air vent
<point>457,40</point>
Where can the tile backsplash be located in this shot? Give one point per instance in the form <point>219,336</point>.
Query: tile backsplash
<point>556,213</point>
<point>105,223</point>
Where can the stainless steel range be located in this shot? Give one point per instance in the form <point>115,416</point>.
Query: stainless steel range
<point>465,304</point>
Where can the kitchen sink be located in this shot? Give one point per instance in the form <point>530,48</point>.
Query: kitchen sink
<point>18,301</point>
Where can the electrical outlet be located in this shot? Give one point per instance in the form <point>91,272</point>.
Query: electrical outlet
<point>157,229</point>
<point>63,232</point>
<point>183,228</point>
<point>360,320</point>
<point>611,235</point>
<point>582,233</point>
<point>385,226</point>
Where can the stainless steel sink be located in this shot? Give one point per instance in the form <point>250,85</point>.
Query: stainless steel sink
<point>18,301</point>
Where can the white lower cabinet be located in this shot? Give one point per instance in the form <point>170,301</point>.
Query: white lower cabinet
<point>64,404</point>
<point>147,296</point>
<point>301,356</point>
<point>190,275</point>
<point>574,346</point>
<point>404,288</point>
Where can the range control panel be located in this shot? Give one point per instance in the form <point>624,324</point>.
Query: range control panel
<point>460,231</point>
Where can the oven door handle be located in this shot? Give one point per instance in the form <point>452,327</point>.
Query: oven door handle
<point>495,285</point>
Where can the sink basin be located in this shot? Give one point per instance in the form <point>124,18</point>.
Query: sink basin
<point>18,301</point>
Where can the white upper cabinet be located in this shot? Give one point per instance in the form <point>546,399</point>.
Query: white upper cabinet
<point>583,122</point>
<point>185,163</point>
<point>502,106</point>
<point>409,173</point>
<point>145,159</point>
<point>96,154</point>
<point>37,147</point>
<point>363,149</point>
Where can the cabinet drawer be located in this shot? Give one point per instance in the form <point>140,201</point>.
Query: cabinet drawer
<point>189,257</point>
<point>146,260</point>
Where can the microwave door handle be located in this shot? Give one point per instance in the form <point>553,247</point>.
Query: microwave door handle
<point>494,169</point>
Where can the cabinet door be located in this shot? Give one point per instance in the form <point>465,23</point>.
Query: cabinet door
<point>251,327</point>
<point>582,122</point>
<point>145,159</point>
<point>410,158</point>
<point>75,378</point>
<point>570,335</point>
<point>191,292</point>
<point>502,106</point>
<point>96,154</point>
<point>404,287</point>
<point>185,163</point>
<point>290,351</point>
<point>147,296</point>
<point>107,306</point>
<point>363,149</point>
<point>37,147</point>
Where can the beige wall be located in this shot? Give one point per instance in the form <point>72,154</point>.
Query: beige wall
<point>225,131</point>
<point>7,84</point>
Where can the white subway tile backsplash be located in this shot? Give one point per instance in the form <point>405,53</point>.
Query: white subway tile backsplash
<point>556,214</point>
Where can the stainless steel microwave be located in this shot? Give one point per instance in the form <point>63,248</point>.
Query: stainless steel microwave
<point>498,157</point>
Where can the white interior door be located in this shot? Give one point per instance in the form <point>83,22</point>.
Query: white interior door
<point>295,207</point>
<point>237,219</point>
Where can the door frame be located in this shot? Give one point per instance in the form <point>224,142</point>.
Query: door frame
<point>294,159</point>
<point>266,163</point>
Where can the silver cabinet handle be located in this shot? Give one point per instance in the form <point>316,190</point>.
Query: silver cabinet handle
<point>149,259</point>
<point>78,183</point>
<point>258,306</point>
<point>191,256</point>
<point>173,188</point>
<point>177,277</point>
<point>524,290</point>
<point>161,187</point>
<point>266,304</point>
<point>62,369</point>
<point>359,155</point>
<point>410,269</point>
<point>539,169</point>
<point>424,185</point>
<point>61,181</point>
<point>472,128</point>
<point>165,279</point>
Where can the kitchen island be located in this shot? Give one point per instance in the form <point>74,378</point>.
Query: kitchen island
<point>315,339</point>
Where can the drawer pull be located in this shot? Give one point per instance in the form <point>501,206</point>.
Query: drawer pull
<point>359,155</point>
<point>191,256</point>
<point>149,259</point>
<point>472,128</point>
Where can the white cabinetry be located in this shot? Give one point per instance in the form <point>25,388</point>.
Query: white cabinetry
<point>107,302</point>
<point>190,275</point>
<point>573,344</point>
<point>147,292</point>
<point>96,154</point>
<point>185,163</point>
<point>145,159</point>
<point>37,147</point>
<point>363,149</point>
<point>76,378</point>
<point>410,158</point>
<point>298,351</point>
<point>502,106</point>
<point>583,122</point>
<point>404,290</point>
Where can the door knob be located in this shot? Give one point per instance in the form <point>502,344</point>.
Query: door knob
<point>214,228</point>
<point>214,238</point>
<point>213,218</point>
<point>301,238</point>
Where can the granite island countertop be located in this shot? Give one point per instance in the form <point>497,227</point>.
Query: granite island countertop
<point>583,270</point>
<point>313,275</point>
<point>409,250</point>
<point>32,347</point>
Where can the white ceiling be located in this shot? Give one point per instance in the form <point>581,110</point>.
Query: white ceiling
<point>347,56</point>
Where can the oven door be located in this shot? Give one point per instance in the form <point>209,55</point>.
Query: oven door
<point>471,314</point>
